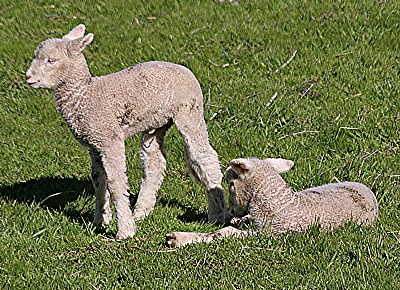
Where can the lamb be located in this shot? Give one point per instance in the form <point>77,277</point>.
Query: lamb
<point>102,112</point>
<point>256,188</point>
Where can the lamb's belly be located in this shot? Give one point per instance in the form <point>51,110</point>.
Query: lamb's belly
<point>298,223</point>
<point>149,123</point>
<point>326,218</point>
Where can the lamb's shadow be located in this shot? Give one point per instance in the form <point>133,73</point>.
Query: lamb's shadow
<point>56,194</point>
<point>191,214</point>
<point>60,194</point>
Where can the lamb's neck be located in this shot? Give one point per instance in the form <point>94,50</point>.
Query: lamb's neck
<point>72,98</point>
<point>272,196</point>
<point>276,189</point>
<point>281,196</point>
<point>72,91</point>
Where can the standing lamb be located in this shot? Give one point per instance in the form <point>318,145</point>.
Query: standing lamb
<point>103,111</point>
<point>257,189</point>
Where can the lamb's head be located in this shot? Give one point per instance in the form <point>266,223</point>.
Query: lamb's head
<point>57,58</point>
<point>245,175</point>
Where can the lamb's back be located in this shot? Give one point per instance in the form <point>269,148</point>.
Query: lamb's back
<point>337,203</point>
<point>147,95</point>
<point>155,80</point>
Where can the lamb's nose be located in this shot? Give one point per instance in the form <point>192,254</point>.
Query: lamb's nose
<point>28,75</point>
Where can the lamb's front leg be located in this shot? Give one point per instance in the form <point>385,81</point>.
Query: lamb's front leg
<point>177,239</point>
<point>113,159</point>
<point>103,213</point>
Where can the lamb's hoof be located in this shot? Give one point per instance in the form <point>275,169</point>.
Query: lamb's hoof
<point>124,235</point>
<point>228,216</point>
<point>99,227</point>
<point>219,219</point>
<point>173,239</point>
<point>179,239</point>
<point>126,232</point>
<point>102,220</point>
<point>139,215</point>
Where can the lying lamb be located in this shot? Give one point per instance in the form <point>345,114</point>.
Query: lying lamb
<point>257,189</point>
<point>103,111</point>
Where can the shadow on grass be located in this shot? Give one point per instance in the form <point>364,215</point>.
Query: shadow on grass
<point>191,214</point>
<point>60,194</point>
<point>55,194</point>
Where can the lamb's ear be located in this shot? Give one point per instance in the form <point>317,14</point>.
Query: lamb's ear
<point>241,166</point>
<point>280,165</point>
<point>76,46</point>
<point>75,33</point>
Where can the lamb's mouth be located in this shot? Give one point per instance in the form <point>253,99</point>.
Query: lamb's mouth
<point>33,84</point>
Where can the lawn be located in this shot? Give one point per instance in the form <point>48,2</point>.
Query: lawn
<point>317,82</point>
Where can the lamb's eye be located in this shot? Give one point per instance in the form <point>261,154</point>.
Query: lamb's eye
<point>231,184</point>
<point>51,60</point>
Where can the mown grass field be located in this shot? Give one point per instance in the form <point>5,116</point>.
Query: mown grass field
<point>317,82</point>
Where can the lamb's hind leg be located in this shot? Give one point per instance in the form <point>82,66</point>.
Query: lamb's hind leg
<point>103,212</point>
<point>153,164</point>
<point>203,162</point>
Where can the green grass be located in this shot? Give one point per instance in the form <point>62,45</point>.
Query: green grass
<point>336,114</point>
